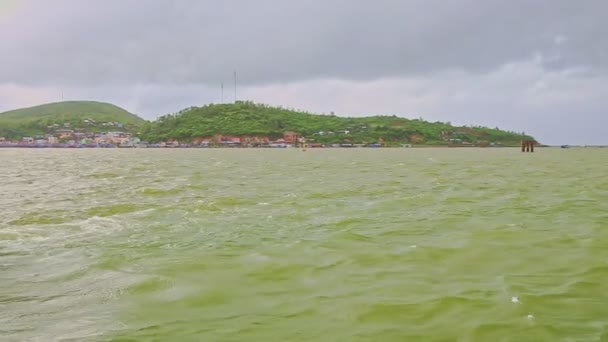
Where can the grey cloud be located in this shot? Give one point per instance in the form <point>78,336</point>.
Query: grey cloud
<point>202,41</point>
<point>555,106</point>
<point>527,65</point>
<point>550,105</point>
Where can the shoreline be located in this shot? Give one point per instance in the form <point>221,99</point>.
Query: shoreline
<point>270,147</point>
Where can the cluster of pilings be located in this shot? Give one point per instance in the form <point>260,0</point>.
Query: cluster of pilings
<point>527,145</point>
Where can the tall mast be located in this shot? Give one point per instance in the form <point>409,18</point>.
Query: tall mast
<point>234,86</point>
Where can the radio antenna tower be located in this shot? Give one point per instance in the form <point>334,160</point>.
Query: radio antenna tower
<point>234,86</point>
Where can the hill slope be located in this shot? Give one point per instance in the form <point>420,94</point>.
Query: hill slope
<point>37,120</point>
<point>249,119</point>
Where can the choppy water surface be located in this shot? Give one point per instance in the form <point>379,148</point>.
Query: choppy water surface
<point>322,245</point>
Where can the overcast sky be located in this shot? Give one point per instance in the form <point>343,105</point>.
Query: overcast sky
<point>525,65</point>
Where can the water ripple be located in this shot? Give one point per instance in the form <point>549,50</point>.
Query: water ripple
<point>334,245</point>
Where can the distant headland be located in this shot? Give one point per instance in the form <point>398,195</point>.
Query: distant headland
<point>240,124</point>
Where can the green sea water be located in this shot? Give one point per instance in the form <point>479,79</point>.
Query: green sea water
<point>322,245</point>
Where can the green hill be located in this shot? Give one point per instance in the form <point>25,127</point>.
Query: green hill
<point>38,120</point>
<point>249,119</point>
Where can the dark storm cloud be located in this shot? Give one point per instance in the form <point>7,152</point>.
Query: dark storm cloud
<point>202,41</point>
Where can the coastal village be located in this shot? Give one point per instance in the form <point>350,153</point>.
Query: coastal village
<point>243,124</point>
<point>89,133</point>
<point>65,136</point>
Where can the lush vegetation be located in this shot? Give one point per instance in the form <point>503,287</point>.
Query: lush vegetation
<point>35,121</point>
<point>245,119</point>
<point>249,119</point>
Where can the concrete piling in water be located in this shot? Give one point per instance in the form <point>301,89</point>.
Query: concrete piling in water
<point>527,145</point>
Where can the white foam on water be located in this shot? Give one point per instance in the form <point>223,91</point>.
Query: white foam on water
<point>145,211</point>
<point>73,231</point>
<point>515,299</point>
<point>24,234</point>
<point>103,225</point>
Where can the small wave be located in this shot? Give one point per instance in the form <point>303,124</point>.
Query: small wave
<point>150,286</point>
<point>117,209</point>
<point>42,218</point>
<point>104,175</point>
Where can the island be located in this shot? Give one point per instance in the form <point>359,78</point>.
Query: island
<point>243,124</point>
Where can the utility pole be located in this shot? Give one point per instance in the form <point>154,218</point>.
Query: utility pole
<point>234,86</point>
<point>222,92</point>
